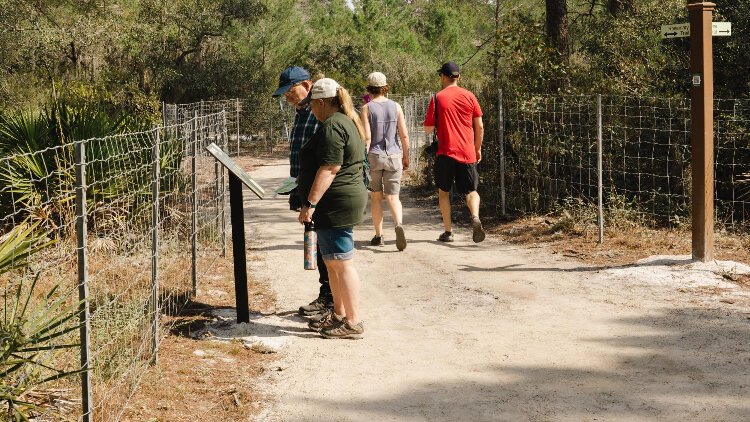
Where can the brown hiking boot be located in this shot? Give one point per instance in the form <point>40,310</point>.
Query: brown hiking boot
<point>328,321</point>
<point>344,330</point>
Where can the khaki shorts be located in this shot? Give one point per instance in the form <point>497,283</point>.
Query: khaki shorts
<point>385,173</point>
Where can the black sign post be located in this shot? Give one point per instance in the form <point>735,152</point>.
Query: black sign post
<point>238,177</point>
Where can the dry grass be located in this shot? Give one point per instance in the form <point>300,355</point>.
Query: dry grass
<point>200,379</point>
<point>622,245</point>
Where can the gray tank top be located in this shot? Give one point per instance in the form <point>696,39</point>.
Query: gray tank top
<point>383,128</point>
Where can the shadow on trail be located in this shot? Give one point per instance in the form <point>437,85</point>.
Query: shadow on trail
<point>520,267</point>
<point>690,364</point>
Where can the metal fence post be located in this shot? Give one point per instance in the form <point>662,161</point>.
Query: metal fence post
<point>194,211</point>
<point>501,139</point>
<point>83,287</point>
<point>225,139</point>
<point>599,177</point>
<point>270,124</point>
<point>237,112</point>
<point>155,246</point>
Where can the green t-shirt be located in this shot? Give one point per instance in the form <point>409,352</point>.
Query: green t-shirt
<point>336,142</point>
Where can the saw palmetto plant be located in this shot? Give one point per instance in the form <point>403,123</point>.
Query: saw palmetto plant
<point>34,326</point>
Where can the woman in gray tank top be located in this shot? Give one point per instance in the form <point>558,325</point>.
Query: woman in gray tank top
<point>388,154</point>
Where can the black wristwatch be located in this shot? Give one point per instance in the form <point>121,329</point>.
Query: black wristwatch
<point>309,204</point>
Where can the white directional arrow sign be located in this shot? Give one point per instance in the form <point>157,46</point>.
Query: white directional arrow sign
<point>682,30</point>
<point>721,29</point>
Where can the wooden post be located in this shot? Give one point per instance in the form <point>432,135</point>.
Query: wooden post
<point>702,133</point>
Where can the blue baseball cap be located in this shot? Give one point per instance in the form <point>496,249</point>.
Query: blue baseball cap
<point>290,76</point>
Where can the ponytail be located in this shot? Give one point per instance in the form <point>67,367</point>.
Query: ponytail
<point>347,107</point>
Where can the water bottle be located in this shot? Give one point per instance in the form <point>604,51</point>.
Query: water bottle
<point>311,249</point>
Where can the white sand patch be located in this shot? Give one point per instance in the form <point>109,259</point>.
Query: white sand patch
<point>680,271</point>
<point>263,334</point>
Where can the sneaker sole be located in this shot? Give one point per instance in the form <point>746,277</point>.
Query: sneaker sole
<point>400,238</point>
<point>478,234</point>
<point>346,337</point>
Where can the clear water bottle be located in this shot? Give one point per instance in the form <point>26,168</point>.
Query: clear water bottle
<point>311,249</point>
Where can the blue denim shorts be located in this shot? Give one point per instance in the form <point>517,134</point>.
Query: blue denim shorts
<point>336,244</point>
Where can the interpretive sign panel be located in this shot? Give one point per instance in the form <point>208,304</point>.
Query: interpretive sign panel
<point>236,170</point>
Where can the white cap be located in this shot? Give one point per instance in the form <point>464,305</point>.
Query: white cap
<point>324,88</point>
<point>376,79</point>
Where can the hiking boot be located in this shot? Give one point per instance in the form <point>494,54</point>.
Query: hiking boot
<point>446,237</point>
<point>317,306</point>
<point>377,241</point>
<point>478,230</point>
<point>344,330</point>
<point>324,313</point>
<point>400,238</point>
<point>329,320</point>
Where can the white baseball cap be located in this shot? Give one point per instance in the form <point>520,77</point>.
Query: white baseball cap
<point>376,79</point>
<point>324,88</point>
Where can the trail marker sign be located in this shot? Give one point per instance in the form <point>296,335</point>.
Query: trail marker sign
<point>679,30</point>
<point>721,29</point>
<point>682,30</point>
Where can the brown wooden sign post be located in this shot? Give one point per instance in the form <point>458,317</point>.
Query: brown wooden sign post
<point>702,133</point>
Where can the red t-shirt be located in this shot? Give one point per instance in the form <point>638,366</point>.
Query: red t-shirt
<point>457,109</point>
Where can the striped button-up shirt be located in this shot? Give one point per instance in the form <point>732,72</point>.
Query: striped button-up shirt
<point>305,125</point>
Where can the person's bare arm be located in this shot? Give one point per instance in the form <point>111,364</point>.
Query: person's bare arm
<point>403,135</point>
<point>430,111</point>
<point>364,115</point>
<point>478,137</point>
<point>323,179</point>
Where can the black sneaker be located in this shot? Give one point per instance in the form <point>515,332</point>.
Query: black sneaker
<point>377,241</point>
<point>316,307</point>
<point>477,230</point>
<point>400,238</point>
<point>446,237</point>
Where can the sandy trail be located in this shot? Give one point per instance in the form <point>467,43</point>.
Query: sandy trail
<point>495,332</point>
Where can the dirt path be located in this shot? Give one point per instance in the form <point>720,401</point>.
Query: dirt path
<point>464,332</point>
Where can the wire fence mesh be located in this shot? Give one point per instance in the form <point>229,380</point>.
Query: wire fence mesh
<point>253,125</point>
<point>40,294</point>
<point>549,156</point>
<point>151,207</point>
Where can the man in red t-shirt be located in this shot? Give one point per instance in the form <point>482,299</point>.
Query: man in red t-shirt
<point>459,131</point>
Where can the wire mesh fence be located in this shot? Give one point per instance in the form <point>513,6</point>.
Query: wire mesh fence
<point>253,125</point>
<point>100,237</point>
<point>40,293</point>
<point>415,108</point>
<point>543,155</point>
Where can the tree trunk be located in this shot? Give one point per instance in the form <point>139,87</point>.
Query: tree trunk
<point>557,26</point>
<point>616,7</point>
<point>496,53</point>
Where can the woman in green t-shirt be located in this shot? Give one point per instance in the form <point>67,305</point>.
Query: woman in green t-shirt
<point>331,179</point>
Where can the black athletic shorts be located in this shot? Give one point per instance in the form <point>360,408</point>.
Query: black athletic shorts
<point>448,170</point>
